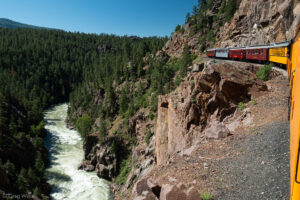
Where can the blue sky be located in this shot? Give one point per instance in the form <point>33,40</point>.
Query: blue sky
<point>130,17</point>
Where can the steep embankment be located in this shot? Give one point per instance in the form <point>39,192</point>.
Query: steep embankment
<point>212,108</point>
<point>253,153</point>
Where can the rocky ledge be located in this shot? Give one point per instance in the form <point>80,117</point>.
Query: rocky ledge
<point>191,160</point>
<point>200,105</point>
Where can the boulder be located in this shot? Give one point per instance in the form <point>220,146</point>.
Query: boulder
<point>146,185</point>
<point>172,192</point>
<point>87,166</point>
<point>197,67</point>
<point>106,164</point>
<point>89,143</point>
<point>216,130</point>
<point>193,194</point>
<point>146,195</point>
<point>132,176</point>
<point>103,171</point>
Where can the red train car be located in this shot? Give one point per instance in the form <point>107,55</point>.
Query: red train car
<point>257,53</point>
<point>237,53</point>
<point>211,52</point>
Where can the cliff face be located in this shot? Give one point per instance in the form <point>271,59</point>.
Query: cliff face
<point>203,99</point>
<point>174,46</point>
<point>198,30</point>
<point>261,22</point>
<point>254,22</point>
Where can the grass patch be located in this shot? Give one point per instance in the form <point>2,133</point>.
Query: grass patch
<point>241,106</point>
<point>205,195</point>
<point>199,59</point>
<point>253,102</point>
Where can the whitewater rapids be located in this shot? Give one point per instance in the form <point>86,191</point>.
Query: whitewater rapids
<point>65,154</point>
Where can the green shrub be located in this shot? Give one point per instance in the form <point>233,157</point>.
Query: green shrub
<point>241,106</point>
<point>199,59</point>
<point>102,131</point>
<point>125,169</point>
<point>36,191</point>
<point>148,136</point>
<point>38,130</point>
<point>20,136</point>
<point>205,195</point>
<point>194,100</point>
<point>253,102</point>
<point>177,81</point>
<point>151,115</point>
<point>264,72</point>
<point>38,142</point>
<point>193,57</point>
<point>83,125</point>
<point>179,29</point>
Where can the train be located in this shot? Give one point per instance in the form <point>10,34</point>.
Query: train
<point>275,52</point>
<point>287,54</point>
<point>293,68</point>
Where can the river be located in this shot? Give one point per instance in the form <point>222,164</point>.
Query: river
<point>65,154</point>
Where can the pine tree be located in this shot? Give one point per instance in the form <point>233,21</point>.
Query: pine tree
<point>83,125</point>
<point>39,163</point>
<point>22,181</point>
<point>186,60</point>
<point>102,131</point>
<point>124,100</point>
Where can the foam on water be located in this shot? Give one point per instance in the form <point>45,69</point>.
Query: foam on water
<point>65,154</point>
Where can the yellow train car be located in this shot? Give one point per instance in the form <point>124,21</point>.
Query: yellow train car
<point>293,68</point>
<point>279,52</point>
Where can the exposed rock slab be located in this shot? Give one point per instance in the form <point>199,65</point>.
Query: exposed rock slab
<point>184,114</point>
<point>260,22</point>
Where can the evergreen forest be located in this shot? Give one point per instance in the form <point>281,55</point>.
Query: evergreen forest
<point>39,68</point>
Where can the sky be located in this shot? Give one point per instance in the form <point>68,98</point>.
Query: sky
<point>120,17</point>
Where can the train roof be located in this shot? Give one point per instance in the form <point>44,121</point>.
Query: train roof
<point>280,44</point>
<point>210,49</point>
<point>237,48</point>
<point>262,46</point>
<point>222,49</point>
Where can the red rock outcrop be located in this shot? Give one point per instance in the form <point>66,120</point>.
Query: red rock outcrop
<point>201,99</point>
<point>147,189</point>
<point>174,46</point>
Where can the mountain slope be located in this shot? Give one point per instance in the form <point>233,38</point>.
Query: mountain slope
<point>7,23</point>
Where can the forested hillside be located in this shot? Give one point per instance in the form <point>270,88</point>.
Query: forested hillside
<point>39,68</point>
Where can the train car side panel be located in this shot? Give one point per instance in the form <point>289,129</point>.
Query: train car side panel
<point>237,53</point>
<point>257,54</point>
<point>222,53</point>
<point>211,53</point>
<point>294,66</point>
<point>278,55</point>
